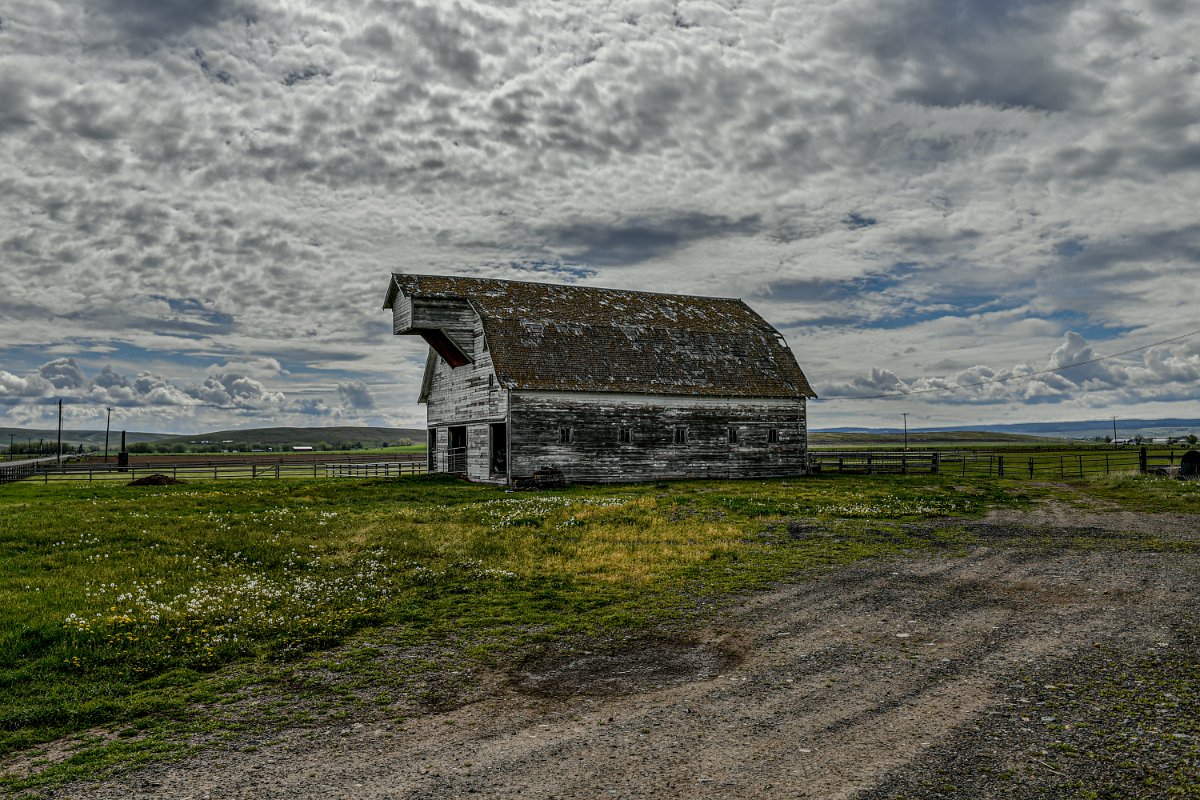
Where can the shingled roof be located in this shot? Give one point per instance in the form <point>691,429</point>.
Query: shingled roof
<point>552,337</point>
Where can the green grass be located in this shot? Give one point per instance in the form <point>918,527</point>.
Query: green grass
<point>124,609</point>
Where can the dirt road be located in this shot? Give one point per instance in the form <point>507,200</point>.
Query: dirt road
<point>826,688</point>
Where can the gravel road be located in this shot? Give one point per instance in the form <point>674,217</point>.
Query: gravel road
<point>859,683</point>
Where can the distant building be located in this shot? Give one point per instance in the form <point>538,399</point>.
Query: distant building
<point>302,447</point>
<point>600,384</point>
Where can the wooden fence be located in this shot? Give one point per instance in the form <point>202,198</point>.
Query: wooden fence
<point>19,470</point>
<point>47,473</point>
<point>999,464</point>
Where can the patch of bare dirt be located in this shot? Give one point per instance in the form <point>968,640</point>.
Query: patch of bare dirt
<point>818,689</point>
<point>1097,515</point>
<point>642,665</point>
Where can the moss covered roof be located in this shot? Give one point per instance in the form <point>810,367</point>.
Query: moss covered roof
<point>553,337</point>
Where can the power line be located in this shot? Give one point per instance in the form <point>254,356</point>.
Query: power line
<point>955,387</point>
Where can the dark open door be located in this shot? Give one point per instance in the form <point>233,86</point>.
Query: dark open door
<point>499,448</point>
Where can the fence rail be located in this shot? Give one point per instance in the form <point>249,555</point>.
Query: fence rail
<point>89,473</point>
<point>999,464</point>
<point>19,470</point>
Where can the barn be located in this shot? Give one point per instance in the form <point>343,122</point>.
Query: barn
<point>600,384</point>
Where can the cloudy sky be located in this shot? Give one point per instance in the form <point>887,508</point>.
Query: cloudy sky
<point>201,200</point>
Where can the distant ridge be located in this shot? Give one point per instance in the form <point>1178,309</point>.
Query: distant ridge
<point>290,437</point>
<point>888,437</point>
<point>268,437</point>
<point>74,438</point>
<point>1082,429</point>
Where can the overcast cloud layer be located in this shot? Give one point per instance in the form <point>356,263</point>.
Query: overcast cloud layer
<point>201,201</point>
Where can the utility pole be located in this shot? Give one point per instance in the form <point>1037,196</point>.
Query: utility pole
<point>60,431</point>
<point>905,415</point>
<point>107,426</point>
<point>1114,431</point>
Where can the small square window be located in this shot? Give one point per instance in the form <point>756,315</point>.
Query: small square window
<point>681,435</point>
<point>566,435</point>
<point>625,435</point>
<point>732,434</point>
<point>491,381</point>
<point>772,435</point>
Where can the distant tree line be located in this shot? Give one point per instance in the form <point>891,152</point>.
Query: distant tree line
<point>1190,439</point>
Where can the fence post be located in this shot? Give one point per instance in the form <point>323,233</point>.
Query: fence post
<point>964,463</point>
<point>933,467</point>
<point>1000,466</point>
<point>254,470</point>
<point>1142,460</point>
<point>1106,463</point>
<point>1031,468</point>
<point>1080,464</point>
<point>276,471</point>
<point>314,469</point>
<point>1061,469</point>
<point>904,463</point>
<point>869,468</point>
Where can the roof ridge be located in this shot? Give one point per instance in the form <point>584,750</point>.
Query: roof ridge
<point>568,286</point>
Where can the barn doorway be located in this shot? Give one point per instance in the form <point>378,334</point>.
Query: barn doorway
<point>456,452</point>
<point>499,448</point>
<point>431,451</point>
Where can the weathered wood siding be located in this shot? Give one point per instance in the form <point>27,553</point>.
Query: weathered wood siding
<point>469,396</point>
<point>452,316</point>
<point>478,453</point>
<point>402,314</point>
<point>471,393</point>
<point>596,453</point>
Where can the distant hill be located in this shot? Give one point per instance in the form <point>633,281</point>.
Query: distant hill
<point>74,438</point>
<point>881,438</point>
<point>1082,429</point>
<point>336,438</point>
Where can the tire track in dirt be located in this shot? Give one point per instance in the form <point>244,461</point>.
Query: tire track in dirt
<point>815,689</point>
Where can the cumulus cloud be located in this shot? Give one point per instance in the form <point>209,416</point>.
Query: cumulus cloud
<point>235,390</point>
<point>356,394</point>
<point>155,18</point>
<point>62,373</point>
<point>226,176</point>
<point>1073,372</point>
<point>13,387</point>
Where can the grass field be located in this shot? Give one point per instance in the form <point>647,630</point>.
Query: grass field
<point>125,610</point>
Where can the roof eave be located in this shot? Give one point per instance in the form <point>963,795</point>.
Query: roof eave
<point>393,290</point>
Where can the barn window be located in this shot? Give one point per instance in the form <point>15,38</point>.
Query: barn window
<point>625,435</point>
<point>732,434</point>
<point>681,436</point>
<point>566,435</point>
<point>491,381</point>
<point>772,435</point>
